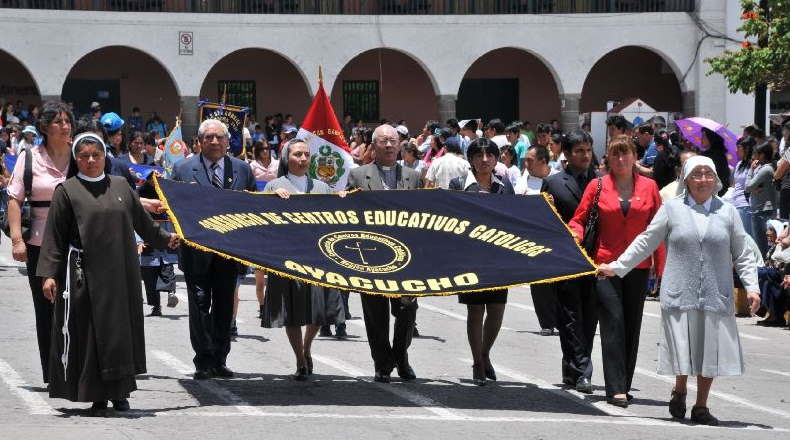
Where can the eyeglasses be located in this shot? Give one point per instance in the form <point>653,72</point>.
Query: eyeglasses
<point>387,141</point>
<point>211,137</point>
<point>702,176</point>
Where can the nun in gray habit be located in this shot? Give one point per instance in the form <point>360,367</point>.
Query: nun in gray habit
<point>705,239</point>
<point>291,303</point>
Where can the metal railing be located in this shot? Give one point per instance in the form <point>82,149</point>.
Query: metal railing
<point>362,7</point>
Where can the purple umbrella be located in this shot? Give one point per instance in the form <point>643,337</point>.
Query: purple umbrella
<point>691,129</point>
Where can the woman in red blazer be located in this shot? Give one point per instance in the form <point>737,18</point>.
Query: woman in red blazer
<point>626,206</point>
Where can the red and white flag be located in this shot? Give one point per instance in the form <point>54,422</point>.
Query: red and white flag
<point>330,157</point>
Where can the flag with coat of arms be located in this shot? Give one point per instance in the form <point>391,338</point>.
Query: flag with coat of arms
<point>174,149</point>
<point>330,157</point>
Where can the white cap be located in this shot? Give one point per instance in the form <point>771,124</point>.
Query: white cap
<point>402,130</point>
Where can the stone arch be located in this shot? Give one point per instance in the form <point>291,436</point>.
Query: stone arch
<point>280,85</point>
<point>17,82</point>
<point>633,72</point>
<point>120,78</point>
<point>407,88</point>
<point>506,70</point>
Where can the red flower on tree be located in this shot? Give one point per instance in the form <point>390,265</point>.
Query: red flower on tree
<point>751,15</point>
<point>746,45</point>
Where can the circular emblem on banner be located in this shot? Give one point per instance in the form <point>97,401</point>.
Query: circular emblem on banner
<point>367,252</point>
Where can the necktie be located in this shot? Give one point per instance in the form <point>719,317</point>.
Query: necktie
<point>215,179</point>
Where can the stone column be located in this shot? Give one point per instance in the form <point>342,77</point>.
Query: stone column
<point>689,104</point>
<point>446,106</point>
<point>189,116</point>
<point>569,113</point>
<point>45,98</point>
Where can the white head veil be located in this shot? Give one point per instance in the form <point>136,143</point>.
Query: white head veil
<point>692,163</point>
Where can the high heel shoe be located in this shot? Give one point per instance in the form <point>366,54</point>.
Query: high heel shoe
<point>301,374</point>
<point>309,361</point>
<point>490,372</point>
<point>478,378</point>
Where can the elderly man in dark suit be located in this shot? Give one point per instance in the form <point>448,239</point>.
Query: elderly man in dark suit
<point>576,309</point>
<point>386,174</point>
<point>211,279</point>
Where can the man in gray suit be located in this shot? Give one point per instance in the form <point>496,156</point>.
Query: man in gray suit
<point>211,279</point>
<point>386,174</point>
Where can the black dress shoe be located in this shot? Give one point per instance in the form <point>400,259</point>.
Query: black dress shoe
<point>617,401</point>
<point>156,311</point>
<point>120,405</point>
<point>770,322</point>
<point>567,380</point>
<point>490,372</point>
<point>98,409</point>
<point>677,405</point>
<point>629,397</point>
<point>702,416</point>
<point>583,385</point>
<point>325,332</point>
<point>222,371</point>
<point>341,334</point>
<point>479,379</point>
<point>201,375</point>
<point>234,331</point>
<point>381,377</point>
<point>406,372</point>
<point>301,374</point>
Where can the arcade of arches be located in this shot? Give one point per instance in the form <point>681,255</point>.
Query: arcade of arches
<point>521,85</point>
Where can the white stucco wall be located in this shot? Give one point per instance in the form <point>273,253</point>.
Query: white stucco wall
<point>445,46</point>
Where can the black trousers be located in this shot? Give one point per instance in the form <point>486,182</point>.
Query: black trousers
<point>577,319</point>
<point>42,307</point>
<point>544,298</point>
<point>157,279</point>
<point>376,310</point>
<point>210,296</point>
<point>620,305</point>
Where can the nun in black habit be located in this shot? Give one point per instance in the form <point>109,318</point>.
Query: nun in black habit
<point>91,272</point>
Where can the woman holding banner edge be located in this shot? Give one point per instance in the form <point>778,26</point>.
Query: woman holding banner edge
<point>626,206</point>
<point>290,303</point>
<point>483,155</point>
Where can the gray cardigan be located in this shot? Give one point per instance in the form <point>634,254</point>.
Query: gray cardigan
<point>760,186</point>
<point>319,187</point>
<point>698,271</point>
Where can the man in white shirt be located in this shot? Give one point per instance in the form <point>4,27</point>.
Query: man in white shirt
<point>537,164</point>
<point>447,167</point>
<point>496,132</point>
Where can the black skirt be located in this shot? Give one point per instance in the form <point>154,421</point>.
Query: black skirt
<point>291,303</point>
<point>483,297</point>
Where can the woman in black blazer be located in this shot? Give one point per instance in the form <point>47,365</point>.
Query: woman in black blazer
<point>483,155</point>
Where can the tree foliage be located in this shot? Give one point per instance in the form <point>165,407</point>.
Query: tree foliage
<point>764,57</point>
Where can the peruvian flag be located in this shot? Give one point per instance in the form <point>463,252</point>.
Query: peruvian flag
<point>330,158</point>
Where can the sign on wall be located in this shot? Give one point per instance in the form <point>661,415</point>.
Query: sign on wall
<point>185,43</point>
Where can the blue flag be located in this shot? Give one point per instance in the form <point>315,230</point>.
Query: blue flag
<point>174,149</point>
<point>141,172</point>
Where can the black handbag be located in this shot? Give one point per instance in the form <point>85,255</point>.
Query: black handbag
<point>27,180</point>
<point>590,238</point>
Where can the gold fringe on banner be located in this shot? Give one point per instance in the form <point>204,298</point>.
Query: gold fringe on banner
<point>192,244</point>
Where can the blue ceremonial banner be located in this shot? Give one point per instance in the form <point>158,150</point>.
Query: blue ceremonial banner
<point>414,243</point>
<point>140,173</point>
<point>232,116</point>
<point>10,162</point>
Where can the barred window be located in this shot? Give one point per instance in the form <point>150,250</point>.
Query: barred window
<point>240,93</point>
<point>361,99</point>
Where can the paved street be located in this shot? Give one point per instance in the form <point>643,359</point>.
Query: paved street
<point>341,401</point>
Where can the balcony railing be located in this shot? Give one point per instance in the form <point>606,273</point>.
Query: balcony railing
<point>361,7</point>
